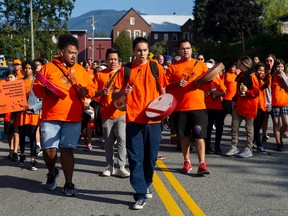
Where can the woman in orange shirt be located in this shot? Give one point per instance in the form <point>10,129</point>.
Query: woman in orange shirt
<point>279,102</point>
<point>29,119</point>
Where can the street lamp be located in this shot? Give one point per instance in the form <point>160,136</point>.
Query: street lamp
<point>93,29</point>
<point>32,30</point>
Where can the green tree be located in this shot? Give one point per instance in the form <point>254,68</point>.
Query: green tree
<point>159,48</point>
<point>230,19</point>
<point>199,13</point>
<point>272,9</point>
<point>49,18</point>
<point>123,44</point>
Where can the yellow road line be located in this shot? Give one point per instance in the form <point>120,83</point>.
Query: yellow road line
<point>191,204</point>
<point>170,204</point>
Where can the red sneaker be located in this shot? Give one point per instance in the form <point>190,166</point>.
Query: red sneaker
<point>203,169</point>
<point>187,167</point>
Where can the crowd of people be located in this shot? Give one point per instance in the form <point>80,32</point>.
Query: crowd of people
<point>248,89</point>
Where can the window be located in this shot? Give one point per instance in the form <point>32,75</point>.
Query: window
<point>137,33</point>
<point>155,36</point>
<point>174,37</point>
<point>186,36</point>
<point>166,37</point>
<point>132,21</point>
<point>144,34</point>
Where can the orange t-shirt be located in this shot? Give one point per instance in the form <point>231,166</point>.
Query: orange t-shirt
<point>91,73</point>
<point>108,110</point>
<point>279,94</point>
<point>27,118</point>
<point>70,108</point>
<point>262,97</point>
<point>188,98</point>
<point>210,101</point>
<point>230,83</point>
<point>247,106</point>
<point>20,75</point>
<point>144,90</point>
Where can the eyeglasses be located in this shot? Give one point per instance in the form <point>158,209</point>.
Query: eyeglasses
<point>186,48</point>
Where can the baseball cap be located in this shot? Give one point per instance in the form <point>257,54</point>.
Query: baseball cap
<point>17,61</point>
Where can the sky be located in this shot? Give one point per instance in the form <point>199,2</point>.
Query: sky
<point>150,7</point>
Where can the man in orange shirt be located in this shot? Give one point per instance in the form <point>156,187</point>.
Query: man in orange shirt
<point>190,113</point>
<point>61,118</point>
<point>113,120</point>
<point>17,67</point>
<point>142,134</point>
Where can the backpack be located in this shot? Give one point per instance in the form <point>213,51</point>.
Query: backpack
<point>153,67</point>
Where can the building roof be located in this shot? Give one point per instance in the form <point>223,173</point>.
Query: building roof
<point>166,23</point>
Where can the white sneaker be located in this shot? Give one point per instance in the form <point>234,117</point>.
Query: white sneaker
<point>149,194</point>
<point>139,204</point>
<point>234,150</point>
<point>108,171</point>
<point>121,172</point>
<point>246,153</point>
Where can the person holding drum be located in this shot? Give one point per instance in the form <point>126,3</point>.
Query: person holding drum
<point>143,135</point>
<point>113,120</point>
<point>190,113</point>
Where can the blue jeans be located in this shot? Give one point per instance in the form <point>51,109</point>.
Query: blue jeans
<point>142,143</point>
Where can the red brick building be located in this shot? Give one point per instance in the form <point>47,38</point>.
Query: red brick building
<point>156,28</point>
<point>85,45</point>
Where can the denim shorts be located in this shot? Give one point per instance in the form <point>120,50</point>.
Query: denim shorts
<point>60,134</point>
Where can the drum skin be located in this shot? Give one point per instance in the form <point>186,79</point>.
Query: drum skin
<point>161,107</point>
<point>216,69</point>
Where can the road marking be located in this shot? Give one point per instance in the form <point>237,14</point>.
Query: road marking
<point>169,202</point>
<point>191,204</point>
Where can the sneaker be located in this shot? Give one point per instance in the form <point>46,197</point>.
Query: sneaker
<point>22,160</point>
<point>265,138</point>
<point>280,147</point>
<point>218,151</point>
<point>89,147</point>
<point>33,165</point>
<point>121,172</point>
<point>261,149</point>
<point>10,155</point>
<point>40,153</point>
<point>139,204</point>
<point>101,139</point>
<point>246,153</point>
<point>202,169</point>
<point>209,151</point>
<point>51,180</point>
<point>70,190</point>
<point>108,171</point>
<point>14,156</point>
<point>187,167</point>
<point>149,194</point>
<point>161,157</point>
<point>234,150</point>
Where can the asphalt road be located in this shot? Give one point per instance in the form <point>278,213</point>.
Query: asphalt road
<point>236,186</point>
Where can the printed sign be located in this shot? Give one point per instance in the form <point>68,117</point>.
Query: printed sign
<point>12,96</point>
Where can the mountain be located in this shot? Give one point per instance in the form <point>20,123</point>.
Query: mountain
<point>104,21</point>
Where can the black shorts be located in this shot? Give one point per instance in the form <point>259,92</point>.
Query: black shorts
<point>194,121</point>
<point>8,128</point>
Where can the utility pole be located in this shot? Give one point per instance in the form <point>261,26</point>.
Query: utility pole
<point>32,30</point>
<point>93,29</point>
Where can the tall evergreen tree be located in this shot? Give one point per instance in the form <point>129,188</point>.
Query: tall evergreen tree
<point>123,44</point>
